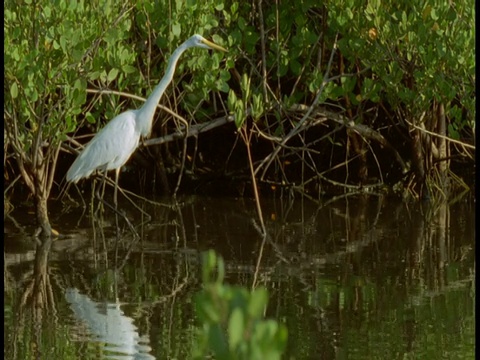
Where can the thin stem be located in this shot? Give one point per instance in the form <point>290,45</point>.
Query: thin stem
<point>246,139</point>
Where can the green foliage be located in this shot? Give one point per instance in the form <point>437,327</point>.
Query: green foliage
<point>415,53</point>
<point>232,321</point>
<point>403,60</point>
<point>62,49</point>
<point>418,51</point>
<point>51,59</point>
<point>252,101</point>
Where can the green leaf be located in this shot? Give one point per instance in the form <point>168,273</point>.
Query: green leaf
<point>239,114</point>
<point>349,13</point>
<point>90,118</point>
<point>296,67</point>
<point>14,90</point>
<point>257,106</point>
<point>34,95</point>
<point>209,259</point>
<point>236,328</point>
<point>245,85</point>
<point>176,29</point>
<point>103,76</point>
<point>222,86</point>
<point>63,43</point>
<point>47,11</point>
<point>207,310</point>
<point>453,133</point>
<point>73,5</point>
<point>128,69</point>
<point>94,75</point>
<point>80,96</point>
<point>231,101</point>
<point>372,7</point>
<point>258,302</point>
<point>218,342</point>
<point>241,23</point>
<point>112,74</point>
<point>80,84</point>
<point>234,8</point>
<point>75,110</point>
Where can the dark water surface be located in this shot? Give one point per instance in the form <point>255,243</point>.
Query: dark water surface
<point>361,277</point>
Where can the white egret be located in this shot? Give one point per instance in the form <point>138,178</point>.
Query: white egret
<point>112,146</point>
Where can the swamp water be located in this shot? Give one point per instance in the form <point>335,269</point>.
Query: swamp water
<point>360,277</point>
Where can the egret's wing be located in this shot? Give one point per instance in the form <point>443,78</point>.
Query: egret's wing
<point>109,149</point>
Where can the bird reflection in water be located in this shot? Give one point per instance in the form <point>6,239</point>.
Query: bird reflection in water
<point>107,324</point>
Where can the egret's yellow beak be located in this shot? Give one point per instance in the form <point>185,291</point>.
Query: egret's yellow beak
<point>213,45</point>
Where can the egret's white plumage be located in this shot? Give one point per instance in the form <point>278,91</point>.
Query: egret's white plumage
<point>112,146</point>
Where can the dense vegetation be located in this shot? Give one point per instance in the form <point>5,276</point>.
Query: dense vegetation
<point>346,95</point>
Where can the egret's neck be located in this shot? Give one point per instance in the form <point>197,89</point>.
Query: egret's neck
<point>146,112</point>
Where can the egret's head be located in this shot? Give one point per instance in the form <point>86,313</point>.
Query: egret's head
<point>200,41</point>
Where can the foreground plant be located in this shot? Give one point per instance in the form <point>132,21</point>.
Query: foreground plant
<point>232,318</point>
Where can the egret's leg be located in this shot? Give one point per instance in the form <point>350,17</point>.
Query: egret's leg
<point>114,208</point>
<point>117,175</point>
<point>104,183</point>
<point>100,185</point>
<point>100,194</point>
<point>115,203</point>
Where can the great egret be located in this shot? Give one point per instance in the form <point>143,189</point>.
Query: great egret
<point>112,146</point>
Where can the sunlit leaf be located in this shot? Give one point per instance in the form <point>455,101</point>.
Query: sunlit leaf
<point>176,29</point>
<point>112,74</point>
<point>14,90</point>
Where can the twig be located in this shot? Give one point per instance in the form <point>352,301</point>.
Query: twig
<point>246,139</point>
<point>257,266</point>
<point>422,129</point>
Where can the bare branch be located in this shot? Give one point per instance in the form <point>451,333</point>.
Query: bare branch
<point>194,130</point>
